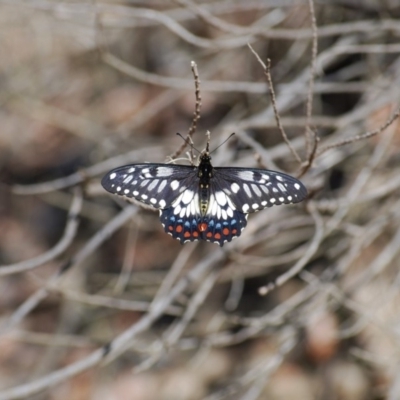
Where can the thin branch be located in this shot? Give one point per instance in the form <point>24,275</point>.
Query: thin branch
<point>267,72</point>
<point>310,252</point>
<point>176,331</point>
<point>196,116</point>
<point>366,135</point>
<point>90,172</point>
<point>69,234</point>
<point>129,258</point>
<point>314,51</point>
<point>92,245</point>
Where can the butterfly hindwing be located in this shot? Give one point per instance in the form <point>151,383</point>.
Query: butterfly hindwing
<point>192,227</point>
<point>252,189</point>
<point>221,223</point>
<point>157,185</point>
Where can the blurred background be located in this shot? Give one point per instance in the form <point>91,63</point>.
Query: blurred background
<point>97,302</point>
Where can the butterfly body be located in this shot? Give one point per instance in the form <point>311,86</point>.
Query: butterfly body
<point>205,171</point>
<point>203,202</point>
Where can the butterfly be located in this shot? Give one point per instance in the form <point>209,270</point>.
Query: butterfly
<point>203,202</point>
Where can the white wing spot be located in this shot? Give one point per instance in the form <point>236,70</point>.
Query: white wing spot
<point>266,177</point>
<point>144,196</point>
<point>230,204</point>
<point>187,196</point>
<point>281,199</point>
<point>218,212</point>
<point>279,178</point>
<point>290,198</point>
<point>183,212</point>
<point>193,207</point>
<point>128,179</point>
<point>164,171</point>
<point>280,186</point>
<point>221,198</point>
<point>297,186</point>
<point>130,170</point>
<point>126,191</point>
<point>224,214</point>
<point>162,186</point>
<point>135,193</point>
<point>229,211</point>
<point>265,189</point>
<point>134,183</point>
<point>177,209</point>
<point>144,183</point>
<point>162,203</point>
<point>246,175</point>
<point>145,171</point>
<point>245,208</point>
<point>113,175</point>
<point>153,184</point>
<point>174,185</point>
<point>177,201</point>
<point>275,190</point>
<point>153,200</point>
<point>273,200</point>
<point>235,187</point>
<point>196,203</point>
<point>256,190</point>
<point>264,203</point>
<point>214,206</point>
<point>255,206</point>
<point>247,189</point>
<point>118,188</point>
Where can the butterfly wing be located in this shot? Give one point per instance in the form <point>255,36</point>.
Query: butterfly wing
<point>174,190</point>
<point>157,185</point>
<point>251,189</point>
<point>184,221</point>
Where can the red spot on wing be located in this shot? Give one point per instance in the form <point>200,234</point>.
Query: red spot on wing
<point>195,234</point>
<point>170,228</point>
<point>179,228</point>
<point>202,227</point>
<point>209,234</point>
<point>225,231</point>
<point>217,236</point>
<point>186,234</point>
<point>234,231</point>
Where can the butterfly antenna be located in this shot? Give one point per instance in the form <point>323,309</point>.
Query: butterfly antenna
<point>189,141</point>
<point>223,142</point>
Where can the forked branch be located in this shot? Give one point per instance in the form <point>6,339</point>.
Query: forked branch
<point>267,72</point>
<point>196,115</point>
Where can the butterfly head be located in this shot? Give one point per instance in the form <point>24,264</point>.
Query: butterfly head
<point>205,169</point>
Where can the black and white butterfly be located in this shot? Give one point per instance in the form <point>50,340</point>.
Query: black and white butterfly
<point>203,202</point>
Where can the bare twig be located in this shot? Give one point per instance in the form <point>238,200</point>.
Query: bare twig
<point>69,234</point>
<point>312,249</point>
<point>196,116</point>
<point>310,144</point>
<point>366,135</point>
<point>267,71</point>
<point>28,305</point>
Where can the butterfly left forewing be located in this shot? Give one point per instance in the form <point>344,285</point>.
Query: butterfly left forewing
<point>253,189</point>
